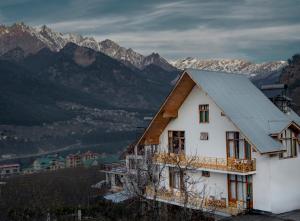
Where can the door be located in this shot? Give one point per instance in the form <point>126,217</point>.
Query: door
<point>240,191</point>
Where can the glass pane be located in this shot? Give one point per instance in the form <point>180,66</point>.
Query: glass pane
<point>241,149</point>
<point>232,177</point>
<point>248,150</point>
<point>239,178</point>
<point>231,149</point>
<point>230,135</point>
<point>177,178</point>
<point>245,192</point>
<point>232,190</point>
<point>289,147</point>
<point>206,116</point>
<point>240,191</point>
<point>294,147</point>
<point>201,116</point>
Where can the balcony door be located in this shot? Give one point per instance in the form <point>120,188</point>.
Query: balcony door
<point>237,147</point>
<point>240,191</point>
<point>176,140</point>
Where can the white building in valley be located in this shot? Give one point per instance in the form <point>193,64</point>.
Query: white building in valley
<point>229,136</point>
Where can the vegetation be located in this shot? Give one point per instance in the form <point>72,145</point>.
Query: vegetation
<point>62,193</point>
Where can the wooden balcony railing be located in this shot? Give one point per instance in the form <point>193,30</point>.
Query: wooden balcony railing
<point>193,201</point>
<point>214,163</point>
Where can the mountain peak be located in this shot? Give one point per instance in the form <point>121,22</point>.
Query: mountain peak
<point>32,40</point>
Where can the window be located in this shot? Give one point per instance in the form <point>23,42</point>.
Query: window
<point>203,136</point>
<point>175,178</point>
<point>132,164</point>
<point>289,140</point>
<point>205,173</point>
<point>237,146</point>
<point>203,113</point>
<point>176,141</point>
<point>118,180</point>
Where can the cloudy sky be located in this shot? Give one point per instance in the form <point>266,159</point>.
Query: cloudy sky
<point>259,30</point>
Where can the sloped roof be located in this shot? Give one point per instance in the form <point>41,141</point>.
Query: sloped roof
<point>294,117</point>
<point>246,106</point>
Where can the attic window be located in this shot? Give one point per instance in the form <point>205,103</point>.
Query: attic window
<point>289,140</point>
<point>203,113</point>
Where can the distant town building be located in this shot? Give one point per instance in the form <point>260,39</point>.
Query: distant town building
<point>89,155</point>
<point>73,160</point>
<point>86,159</point>
<point>50,162</point>
<point>28,170</point>
<point>56,162</point>
<point>7,170</point>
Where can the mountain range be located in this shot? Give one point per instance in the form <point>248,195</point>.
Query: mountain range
<point>32,39</point>
<point>238,66</point>
<point>60,89</point>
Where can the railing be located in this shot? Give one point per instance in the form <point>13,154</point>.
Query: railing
<point>229,164</point>
<point>119,167</point>
<point>193,201</point>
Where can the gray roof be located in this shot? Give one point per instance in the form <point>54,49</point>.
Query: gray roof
<point>247,107</point>
<point>294,117</point>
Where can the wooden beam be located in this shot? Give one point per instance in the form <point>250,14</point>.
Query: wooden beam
<point>170,114</point>
<point>151,140</point>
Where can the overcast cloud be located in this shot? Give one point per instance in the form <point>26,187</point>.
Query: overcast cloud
<point>259,30</point>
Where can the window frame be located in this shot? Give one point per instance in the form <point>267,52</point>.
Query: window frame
<point>293,140</point>
<point>173,172</point>
<point>180,139</point>
<point>203,113</point>
<point>247,148</point>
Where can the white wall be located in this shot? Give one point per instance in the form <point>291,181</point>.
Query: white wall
<point>276,183</point>
<point>261,183</point>
<point>285,180</point>
<point>188,120</point>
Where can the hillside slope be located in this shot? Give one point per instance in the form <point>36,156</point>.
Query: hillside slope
<point>53,99</point>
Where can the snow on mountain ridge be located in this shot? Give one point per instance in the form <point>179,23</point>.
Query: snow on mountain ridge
<point>238,66</point>
<point>55,41</point>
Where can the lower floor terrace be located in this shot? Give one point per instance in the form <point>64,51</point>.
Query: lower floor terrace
<point>208,204</point>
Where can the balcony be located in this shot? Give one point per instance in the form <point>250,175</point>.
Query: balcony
<point>193,201</point>
<point>115,168</point>
<point>230,165</point>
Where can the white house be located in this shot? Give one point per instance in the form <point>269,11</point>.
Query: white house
<point>244,147</point>
<point>241,148</point>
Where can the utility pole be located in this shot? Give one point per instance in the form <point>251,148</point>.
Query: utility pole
<point>79,214</point>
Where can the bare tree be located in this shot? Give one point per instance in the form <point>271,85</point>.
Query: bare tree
<point>148,179</point>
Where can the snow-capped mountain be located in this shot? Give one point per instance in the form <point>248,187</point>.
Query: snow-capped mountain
<point>229,65</point>
<point>32,39</point>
